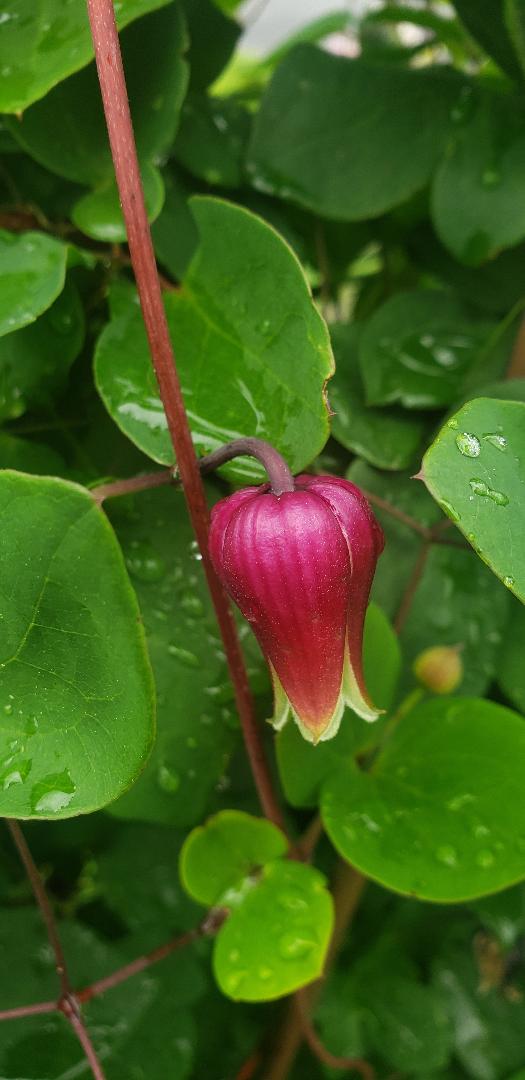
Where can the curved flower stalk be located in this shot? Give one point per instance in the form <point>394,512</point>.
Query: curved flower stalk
<point>299,564</point>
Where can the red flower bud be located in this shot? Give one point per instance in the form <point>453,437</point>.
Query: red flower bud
<point>300,565</point>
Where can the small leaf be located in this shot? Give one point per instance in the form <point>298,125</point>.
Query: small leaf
<point>24,455</point>
<point>417,349</point>
<point>387,438</point>
<point>303,767</point>
<point>98,214</point>
<point>441,815</point>
<point>212,139</point>
<point>43,44</point>
<point>475,470</point>
<point>276,940</point>
<point>246,307</point>
<point>206,23</point>
<point>218,856</point>
<point>32,274</point>
<point>34,361</point>
<point>346,139</point>
<point>476,207</point>
<point>76,696</point>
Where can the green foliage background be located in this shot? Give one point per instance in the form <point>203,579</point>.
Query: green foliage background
<point>305,207</point>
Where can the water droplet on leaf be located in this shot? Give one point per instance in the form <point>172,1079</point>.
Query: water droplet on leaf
<point>468,445</point>
<point>447,855</point>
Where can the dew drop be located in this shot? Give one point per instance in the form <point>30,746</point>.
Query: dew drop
<point>508,581</point>
<point>450,510</point>
<point>193,605</point>
<point>468,445</point>
<point>17,775</point>
<point>292,946</point>
<point>499,441</point>
<point>459,801</point>
<point>8,709</point>
<point>144,564</point>
<point>447,855</point>
<point>479,487</point>
<point>485,859</point>
<point>167,779</point>
<point>265,973</point>
<point>291,902</point>
<point>184,656</point>
<point>233,980</point>
<point>53,793</point>
<point>490,178</point>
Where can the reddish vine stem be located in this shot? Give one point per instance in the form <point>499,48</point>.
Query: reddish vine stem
<point>42,900</point>
<point>123,149</point>
<point>28,1010</point>
<point>411,587</point>
<point>71,1013</point>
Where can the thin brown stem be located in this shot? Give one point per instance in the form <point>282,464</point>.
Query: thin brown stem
<point>333,1061</point>
<point>118,119</point>
<point>71,1011</point>
<point>136,966</point>
<point>399,515</point>
<point>28,1010</point>
<point>411,588</point>
<point>133,485</point>
<point>42,900</point>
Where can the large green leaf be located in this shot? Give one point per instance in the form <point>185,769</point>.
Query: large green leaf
<point>441,815</point>
<point>418,348</point>
<point>34,361</point>
<point>275,940</point>
<point>76,688</point>
<point>387,438</point>
<point>476,204</point>
<point>43,43</point>
<point>66,130</point>
<point>303,767</point>
<point>347,139</point>
<point>218,856</point>
<point>475,469</point>
<point>206,24</point>
<point>253,352</point>
<point>32,274</point>
<point>196,726</point>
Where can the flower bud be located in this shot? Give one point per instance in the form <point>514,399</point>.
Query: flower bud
<point>439,669</point>
<point>300,565</point>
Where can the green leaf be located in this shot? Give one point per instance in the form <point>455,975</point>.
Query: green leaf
<point>441,815</point>
<point>347,139</point>
<point>34,362</point>
<point>206,23</point>
<point>514,14</point>
<point>43,44</point>
<point>98,214</point>
<point>174,232</point>
<point>476,206</point>
<point>457,600</point>
<point>75,682</point>
<point>303,767</point>
<point>276,940</point>
<point>484,19</point>
<point>212,139</point>
<point>417,349</point>
<point>389,438</point>
<point>503,915</point>
<point>246,304</point>
<point>196,725</point>
<point>511,670</point>
<point>32,274</point>
<point>475,470</point>
<point>66,130</point>
<point>218,856</point>
<point>24,455</point>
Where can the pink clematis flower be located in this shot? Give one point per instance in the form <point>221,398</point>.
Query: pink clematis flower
<point>299,565</point>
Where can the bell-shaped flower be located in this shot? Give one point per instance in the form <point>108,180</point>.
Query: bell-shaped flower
<point>300,565</point>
